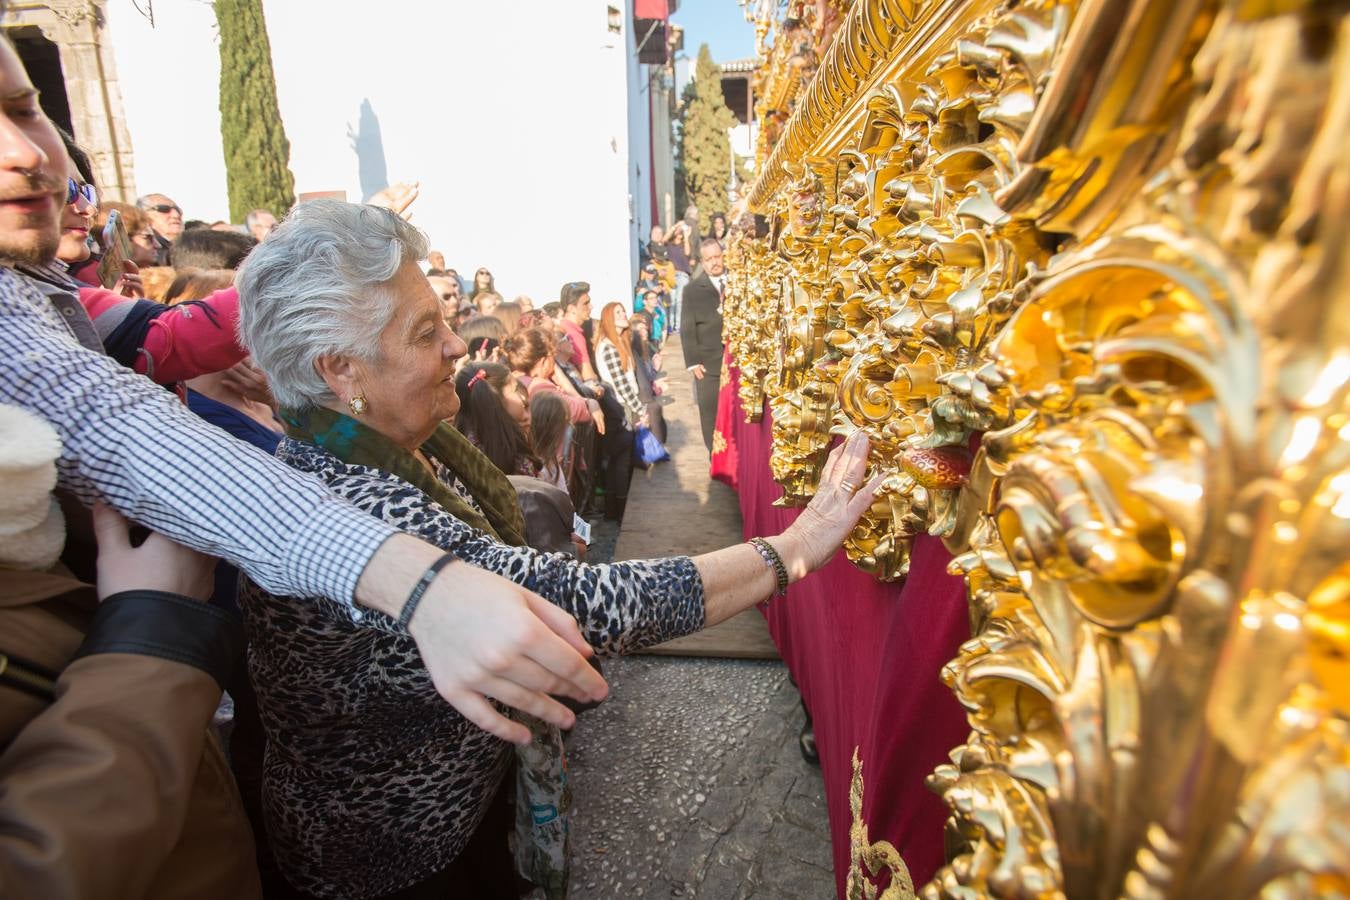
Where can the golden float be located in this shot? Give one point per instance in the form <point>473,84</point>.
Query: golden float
<point>1081,272</point>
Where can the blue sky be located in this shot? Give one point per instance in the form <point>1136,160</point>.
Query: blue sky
<point>718,23</point>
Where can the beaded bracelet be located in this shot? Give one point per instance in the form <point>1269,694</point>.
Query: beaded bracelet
<point>774,562</point>
<point>414,598</point>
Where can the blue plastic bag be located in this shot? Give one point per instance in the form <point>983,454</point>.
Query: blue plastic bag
<point>647,449</point>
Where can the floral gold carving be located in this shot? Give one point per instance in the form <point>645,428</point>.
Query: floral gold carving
<point>1081,272</point>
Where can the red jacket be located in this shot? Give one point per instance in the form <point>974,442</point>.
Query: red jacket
<point>173,343</point>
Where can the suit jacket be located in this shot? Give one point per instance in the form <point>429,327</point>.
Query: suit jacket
<point>701,323</point>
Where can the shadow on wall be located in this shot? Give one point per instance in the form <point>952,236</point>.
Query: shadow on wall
<point>368,145</point>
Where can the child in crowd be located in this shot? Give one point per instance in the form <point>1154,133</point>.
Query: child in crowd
<point>494,414</point>
<point>551,437</point>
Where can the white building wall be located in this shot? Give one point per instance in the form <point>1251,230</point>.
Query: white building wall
<point>515,117</point>
<point>743,140</point>
<point>640,155</point>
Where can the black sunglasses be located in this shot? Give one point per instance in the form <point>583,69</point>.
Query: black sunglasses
<point>165,208</point>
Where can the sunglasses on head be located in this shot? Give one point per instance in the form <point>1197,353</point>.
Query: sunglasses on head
<point>165,208</point>
<point>76,190</point>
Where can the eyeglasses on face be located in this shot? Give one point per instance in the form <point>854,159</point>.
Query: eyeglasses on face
<point>164,208</point>
<point>78,190</point>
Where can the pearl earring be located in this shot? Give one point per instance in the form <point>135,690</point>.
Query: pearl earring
<point>358,405</point>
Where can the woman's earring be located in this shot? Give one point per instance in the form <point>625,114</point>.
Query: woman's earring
<point>358,405</point>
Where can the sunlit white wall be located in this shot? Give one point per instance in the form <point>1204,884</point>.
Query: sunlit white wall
<point>743,140</point>
<point>517,118</point>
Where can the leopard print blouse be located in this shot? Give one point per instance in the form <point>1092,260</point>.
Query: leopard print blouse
<point>372,782</point>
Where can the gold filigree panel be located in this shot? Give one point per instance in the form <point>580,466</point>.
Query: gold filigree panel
<point>1083,277</point>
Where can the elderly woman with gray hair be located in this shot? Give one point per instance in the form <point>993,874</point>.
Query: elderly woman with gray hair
<point>373,785</point>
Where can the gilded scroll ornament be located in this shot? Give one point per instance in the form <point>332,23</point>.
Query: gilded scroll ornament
<point>867,860</point>
<point>1081,271</point>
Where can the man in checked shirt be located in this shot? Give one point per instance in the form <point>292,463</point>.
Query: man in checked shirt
<point>127,442</point>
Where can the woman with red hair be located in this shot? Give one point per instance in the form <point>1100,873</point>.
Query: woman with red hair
<point>614,363</point>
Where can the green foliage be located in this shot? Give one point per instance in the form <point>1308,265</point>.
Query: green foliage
<point>705,147</point>
<point>257,154</point>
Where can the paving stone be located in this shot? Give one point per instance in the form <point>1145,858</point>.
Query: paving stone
<point>723,883</point>
<point>640,760</point>
<point>800,844</point>
<point>787,877</point>
<point>687,781</point>
<point>723,809</point>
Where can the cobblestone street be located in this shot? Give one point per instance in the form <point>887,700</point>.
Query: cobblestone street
<point>688,781</point>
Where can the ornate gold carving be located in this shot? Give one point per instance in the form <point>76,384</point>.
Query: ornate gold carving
<point>865,35</point>
<point>901,269</point>
<point>1081,271</point>
<point>867,860</point>
<point>751,303</point>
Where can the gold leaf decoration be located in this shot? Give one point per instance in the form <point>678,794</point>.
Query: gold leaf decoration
<point>867,860</point>
<point>1080,269</point>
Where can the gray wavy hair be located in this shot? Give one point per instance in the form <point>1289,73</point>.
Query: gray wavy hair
<point>318,287</point>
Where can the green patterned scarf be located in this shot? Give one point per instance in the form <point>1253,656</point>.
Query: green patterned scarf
<point>359,444</point>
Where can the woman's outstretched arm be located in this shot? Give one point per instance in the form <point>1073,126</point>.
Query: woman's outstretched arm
<point>626,606</point>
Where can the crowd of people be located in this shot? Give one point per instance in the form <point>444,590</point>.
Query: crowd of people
<point>292,465</point>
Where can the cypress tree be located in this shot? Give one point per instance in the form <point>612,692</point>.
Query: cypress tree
<point>705,146</point>
<point>257,154</point>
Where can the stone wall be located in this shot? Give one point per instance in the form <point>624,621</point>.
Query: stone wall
<point>78,29</point>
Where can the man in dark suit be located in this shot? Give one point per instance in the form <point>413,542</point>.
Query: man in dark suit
<point>701,333</point>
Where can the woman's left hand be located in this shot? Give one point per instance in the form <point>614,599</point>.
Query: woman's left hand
<point>841,499</point>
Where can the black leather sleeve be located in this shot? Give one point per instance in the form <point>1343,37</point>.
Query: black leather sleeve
<point>164,625</point>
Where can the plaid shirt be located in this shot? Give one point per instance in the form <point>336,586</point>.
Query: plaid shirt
<point>623,382</point>
<point>132,444</point>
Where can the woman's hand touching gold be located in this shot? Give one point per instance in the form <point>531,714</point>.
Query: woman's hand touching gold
<point>841,498</point>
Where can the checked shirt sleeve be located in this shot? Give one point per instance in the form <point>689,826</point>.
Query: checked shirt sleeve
<point>132,444</point>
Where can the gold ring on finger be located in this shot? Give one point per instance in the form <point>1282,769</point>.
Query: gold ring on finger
<point>849,486</point>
